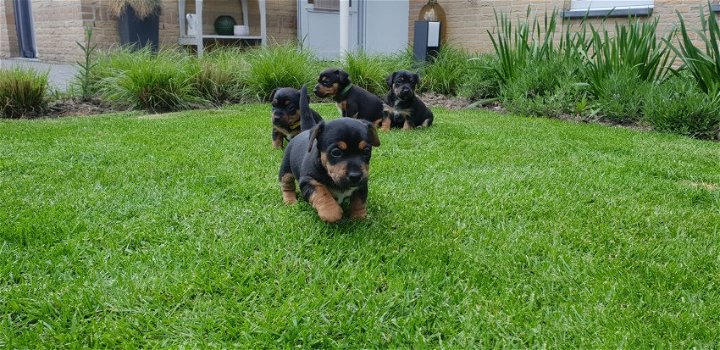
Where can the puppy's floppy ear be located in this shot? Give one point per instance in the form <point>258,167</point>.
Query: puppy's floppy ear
<point>314,133</point>
<point>416,79</point>
<point>343,77</point>
<point>373,135</point>
<point>390,80</point>
<point>272,94</point>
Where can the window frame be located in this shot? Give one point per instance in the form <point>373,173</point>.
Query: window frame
<point>609,8</point>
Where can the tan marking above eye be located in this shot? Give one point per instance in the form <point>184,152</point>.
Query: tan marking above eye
<point>342,145</point>
<point>362,145</point>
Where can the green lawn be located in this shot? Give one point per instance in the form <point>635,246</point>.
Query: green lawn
<point>485,230</point>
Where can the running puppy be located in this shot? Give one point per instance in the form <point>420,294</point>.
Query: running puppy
<point>331,162</point>
<point>353,101</point>
<point>404,108</point>
<point>286,115</point>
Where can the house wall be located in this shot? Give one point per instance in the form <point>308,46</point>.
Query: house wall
<point>469,20</point>
<point>281,17</point>
<point>59,24</point>
<point>8,38</point>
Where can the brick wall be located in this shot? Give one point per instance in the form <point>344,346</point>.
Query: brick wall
<point>8,38</point>
<point>59,24</point>
<point>469,20</point>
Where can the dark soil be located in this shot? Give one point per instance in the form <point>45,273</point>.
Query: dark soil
<point>70,107</point>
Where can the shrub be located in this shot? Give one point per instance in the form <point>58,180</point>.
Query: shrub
<point>156,82</point>
<point>110,63</point>
<point>679,106</point>
<point>219,78</point>
<point>278,66</point>
<point>446,72</point>
<point>620,95</point>
<point>482,81</point>
<point>22,92</point>
<point>545,88</point>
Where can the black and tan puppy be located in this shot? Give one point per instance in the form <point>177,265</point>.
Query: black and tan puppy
<point>286,115</point>
<point>330,161</point>
<point>353,101</point>
<point>404,108</point>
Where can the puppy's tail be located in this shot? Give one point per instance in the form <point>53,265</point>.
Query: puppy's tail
<point>307,121</point>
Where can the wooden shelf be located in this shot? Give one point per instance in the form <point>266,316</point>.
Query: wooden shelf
<point>197,41</point>
<point>191,40</point>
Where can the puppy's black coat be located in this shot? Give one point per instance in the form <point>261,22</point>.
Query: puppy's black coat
<point>286,115</point>
<point>404,108</point>
<point>353,101</point>
<point>330,161</point>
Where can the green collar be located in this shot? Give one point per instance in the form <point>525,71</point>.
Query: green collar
<point>343,94</point>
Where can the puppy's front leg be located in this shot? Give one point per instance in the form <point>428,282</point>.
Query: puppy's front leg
<point>287,184</point>
<point>358,200</point>
<point>277,139</point>
<point>407,125</point>
<point>324,203</point>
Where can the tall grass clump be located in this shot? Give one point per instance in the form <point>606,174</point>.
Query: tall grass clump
<point>156,82</point>
<point>220,76</point>
<point>680,106</point>
<point>278,66</point>
<point>482,80</point>
<point>446,72</point>
<point>22,92</point>
<point>703,65</point>
<point>109,63</point>
<point>371,71</point>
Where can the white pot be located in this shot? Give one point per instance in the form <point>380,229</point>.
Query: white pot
<point>241,30</point>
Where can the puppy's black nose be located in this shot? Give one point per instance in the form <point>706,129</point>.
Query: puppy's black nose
<point>354,176</point>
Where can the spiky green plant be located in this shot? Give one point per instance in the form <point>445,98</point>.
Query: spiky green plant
<point>525,43</point>
<point>22,91</point>
<point>704,65</point>
<point>634,46</point>
<point>84,78</point>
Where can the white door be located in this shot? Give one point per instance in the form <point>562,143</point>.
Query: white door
<point>376,26</point>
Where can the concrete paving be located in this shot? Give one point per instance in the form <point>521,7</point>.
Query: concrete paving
<point>60,75</point>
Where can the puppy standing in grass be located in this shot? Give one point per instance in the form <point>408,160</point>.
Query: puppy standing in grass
<point>353,101</point>
<point>286,115</point>
<point>404,108</point>
<point>331,163</point>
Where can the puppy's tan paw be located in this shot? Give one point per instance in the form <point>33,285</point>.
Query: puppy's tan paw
<point>289,197</point>
<point>330,214</point>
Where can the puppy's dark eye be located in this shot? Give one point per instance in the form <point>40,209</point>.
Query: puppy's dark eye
<point>336,153</point>
<point>327,83</point>
<point>367,151</point>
